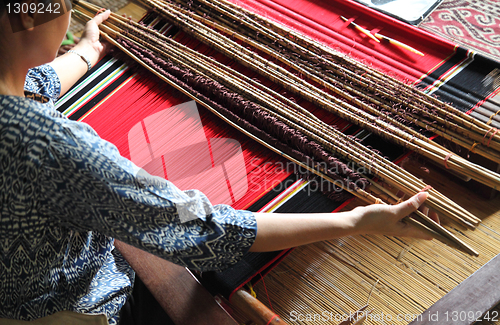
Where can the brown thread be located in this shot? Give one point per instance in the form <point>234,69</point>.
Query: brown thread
<point>491,117</point>
<point>473,146</point>
<point>250,117</point>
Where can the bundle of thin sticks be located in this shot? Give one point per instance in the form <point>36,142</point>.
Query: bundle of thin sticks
<point>368,98</point>
<point>273,120</point>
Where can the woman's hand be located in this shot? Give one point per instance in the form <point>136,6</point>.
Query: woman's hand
<point>387,219</point>
<point>277,231</point>
<point>71,67</point>
<point>90,44</point>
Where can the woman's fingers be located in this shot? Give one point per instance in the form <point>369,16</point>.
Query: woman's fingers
<point>90,44</point>
<point>424,209</point>
<point>91,31</point>
<point>388,219</point>
<point>430,213</point>
<point>98,19</point>
<point>409,206</point>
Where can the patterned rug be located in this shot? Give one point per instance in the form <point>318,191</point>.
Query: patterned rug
<point>474,24</point>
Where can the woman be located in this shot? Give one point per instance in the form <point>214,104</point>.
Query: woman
<point>65,193</point>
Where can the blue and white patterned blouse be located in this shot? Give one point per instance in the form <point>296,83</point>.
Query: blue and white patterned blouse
<point>65,194</point>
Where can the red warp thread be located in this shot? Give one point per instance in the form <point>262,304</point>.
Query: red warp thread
<point>446,160</point>
<point>267,294</point>
<point>349,21</point>
<point>495,131</point>
<point>272,318</point>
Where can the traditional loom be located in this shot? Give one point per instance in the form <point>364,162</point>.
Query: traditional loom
<point>345,260</point>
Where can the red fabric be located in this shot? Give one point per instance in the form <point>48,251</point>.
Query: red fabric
<point>141,98</point>
<point>473,24</point>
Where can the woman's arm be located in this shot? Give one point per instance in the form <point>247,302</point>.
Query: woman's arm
<point>277,231</point>
<point>71,67</point>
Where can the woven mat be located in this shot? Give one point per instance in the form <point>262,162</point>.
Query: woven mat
<point>474,24</point>
<point>113,5</point>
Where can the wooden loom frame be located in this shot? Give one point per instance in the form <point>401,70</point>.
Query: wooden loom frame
<point>469,297</point>
<point>193,304</point>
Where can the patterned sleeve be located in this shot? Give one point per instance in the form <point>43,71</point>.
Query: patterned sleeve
<point>87,185</point>
<point>43,80</point>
